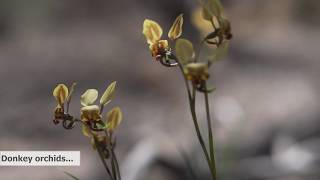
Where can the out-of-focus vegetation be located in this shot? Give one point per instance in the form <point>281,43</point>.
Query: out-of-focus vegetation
<point>266,107</point>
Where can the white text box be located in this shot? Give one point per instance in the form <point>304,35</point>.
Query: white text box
<point>39,158</point>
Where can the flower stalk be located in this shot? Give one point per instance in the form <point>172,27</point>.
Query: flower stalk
<point>195,71</point>
<point>210,158</point>
<point>100,132</point>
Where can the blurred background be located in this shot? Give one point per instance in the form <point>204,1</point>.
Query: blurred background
<point>265,108</point>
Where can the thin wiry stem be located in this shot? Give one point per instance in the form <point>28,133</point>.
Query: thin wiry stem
<point>199,135</point>
<point>192,98</point>
<point>109,147</point>
<point>114,160</point>
<point>101,108</point>
<point>184,77</point>
<point>210,136</point>
<point>102,158</point>
<point>116,163</point>
<point>113,167</point>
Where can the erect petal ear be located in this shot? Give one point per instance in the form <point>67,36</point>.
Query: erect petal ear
<point>61,93</point>
<point>152,31</point>
<point>108,94</point>
<point>213,7</point>
<point>176,28</point>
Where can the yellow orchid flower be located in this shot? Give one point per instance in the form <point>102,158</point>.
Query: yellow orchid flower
<point>196,72</point>
<point>90,113</point>
<point>60,93</point>
<point>153,32</point>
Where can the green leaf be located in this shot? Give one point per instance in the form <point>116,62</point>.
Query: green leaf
<point>71,175</point>
<point>108,93</point>
<point>184,51</point>
<point>89,97</point>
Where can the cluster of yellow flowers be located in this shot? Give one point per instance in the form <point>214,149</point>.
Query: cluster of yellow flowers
<point>91,118</point>
<point>184,54</point>
<point>194,65</point>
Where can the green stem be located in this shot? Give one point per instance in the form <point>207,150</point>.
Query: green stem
<point>195,120</point>
<point>185,79</point>
<point>102,158</point>
<point>211,146</point>
<point>109,147</point>
<point>116,163</point>
<point>192,99</point>
<point>115,175</point>
<point>200,138</point>
<point>114,160</point>
<point>113,167</point>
